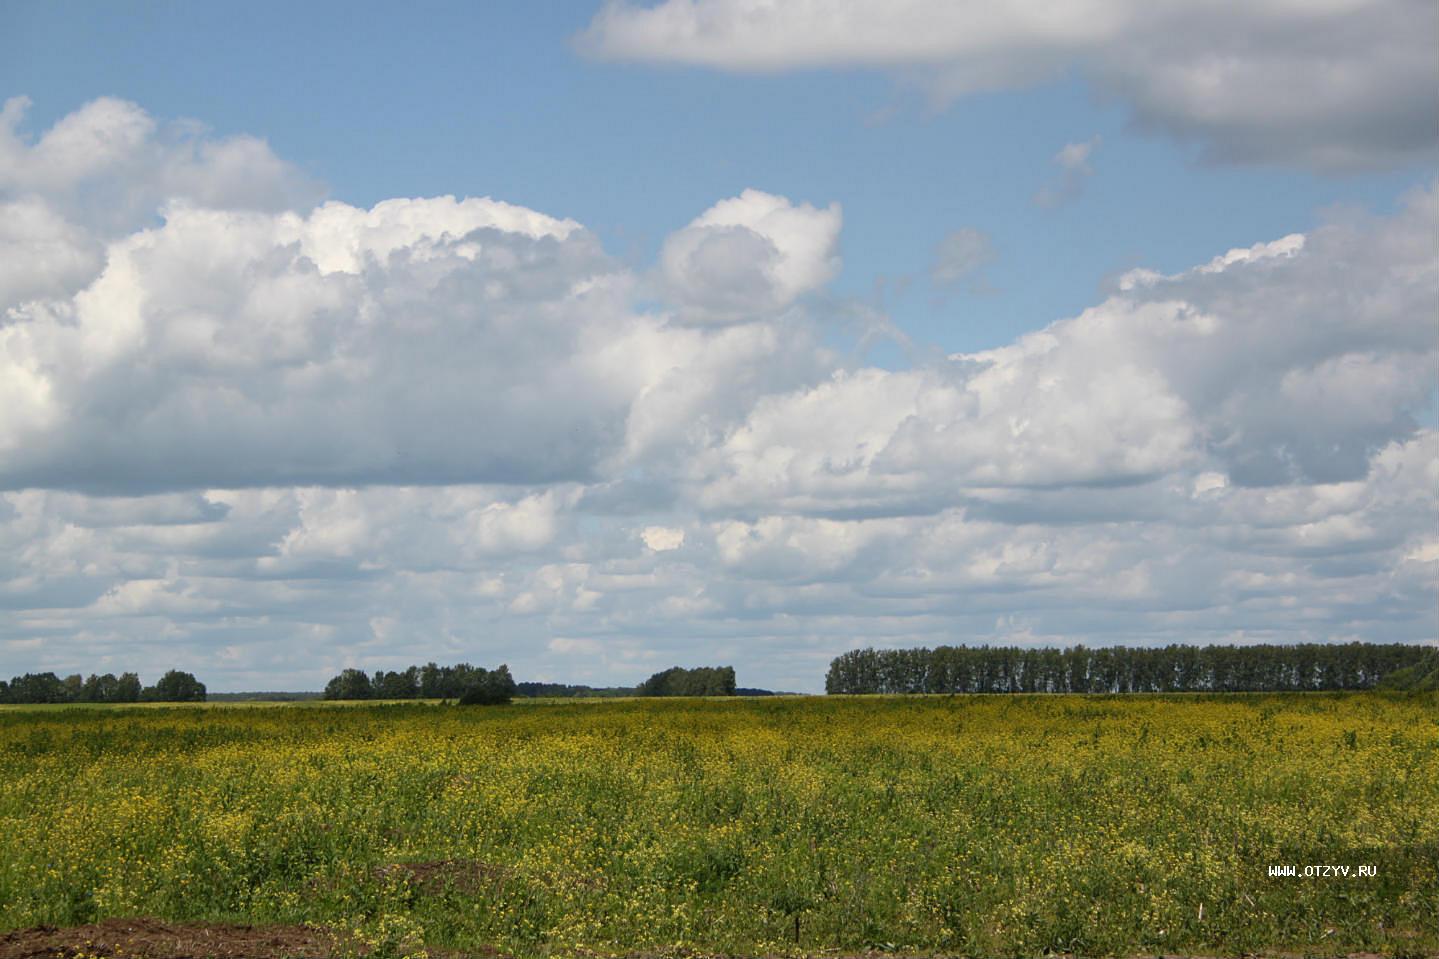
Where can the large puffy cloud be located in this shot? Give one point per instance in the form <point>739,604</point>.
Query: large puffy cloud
<point>227,346</point>
<point>1330,85</point>
<point>1291,362</point>
<point>111,166</point>
<point>421,341</point>
<point>267,443</point>
<point>41,253</point>
<point>108,169</point>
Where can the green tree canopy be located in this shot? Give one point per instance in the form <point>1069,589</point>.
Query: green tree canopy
<point>701,681</point>
<point>176,687</point>
<point>1126,669</point>
<point>350,684</point>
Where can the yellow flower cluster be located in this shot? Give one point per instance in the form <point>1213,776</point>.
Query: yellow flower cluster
<point>1017,825</point>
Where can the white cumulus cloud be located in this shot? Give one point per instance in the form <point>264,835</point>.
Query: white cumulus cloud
<point>266,442</point>
<point>750,254</point>
<point>1333,85</point>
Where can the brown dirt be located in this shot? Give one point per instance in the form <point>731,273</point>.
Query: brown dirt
<point>153,939</point>
<point>156,939</point>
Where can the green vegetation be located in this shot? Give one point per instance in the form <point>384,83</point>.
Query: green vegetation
<point>965,825</point>
<point>263,696</point>
<point>703,681</point>
<point>471,685</point>
<point>571,690</point>
<point>1422,677</point>
<point>1306,667</point>
<point>38,688</point>
<point>490,688</point>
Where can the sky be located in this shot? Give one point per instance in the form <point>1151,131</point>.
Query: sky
<point>599,338</point>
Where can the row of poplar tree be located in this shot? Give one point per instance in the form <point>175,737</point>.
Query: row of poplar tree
<point>1122,669</point>
<point>174,687</point>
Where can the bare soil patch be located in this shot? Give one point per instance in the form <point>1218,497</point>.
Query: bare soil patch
<point>154,939</point>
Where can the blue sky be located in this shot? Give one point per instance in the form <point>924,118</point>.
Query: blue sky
<point>269,409</point>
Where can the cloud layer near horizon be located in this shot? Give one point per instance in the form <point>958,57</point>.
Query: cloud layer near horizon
<point>265,437</point>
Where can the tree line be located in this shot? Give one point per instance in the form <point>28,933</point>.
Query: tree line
<point>944,669</point>
<point>572,690</point>
<point>703,681</point>
<point>1124,669</point>
<point>466,684</point>
<point>700,681</point>
<point>462,682</point>
<point>174,687</point>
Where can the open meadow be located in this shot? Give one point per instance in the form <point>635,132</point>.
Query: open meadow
<point>993,825</point>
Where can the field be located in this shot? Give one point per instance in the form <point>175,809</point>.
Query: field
<point>1002,825</point>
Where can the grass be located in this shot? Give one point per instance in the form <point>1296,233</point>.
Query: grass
<point>1003,825</point>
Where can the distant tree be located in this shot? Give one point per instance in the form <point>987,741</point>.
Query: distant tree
<point>37,688</point>
<point>431,681</point>
<point>702,681</point>
<point>856,671</point>
<point>489,687</point>
<point>1125,669</point>
<point>664,683</point>
<point>569,690</point>
<point>100,689</point>
<point>350,684</point>
<point>127,688</point>
<point>1419,677</point>
<point>175,687</point>
<point>397,685</point>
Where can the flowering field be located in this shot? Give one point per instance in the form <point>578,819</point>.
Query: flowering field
<point>974,825</point>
